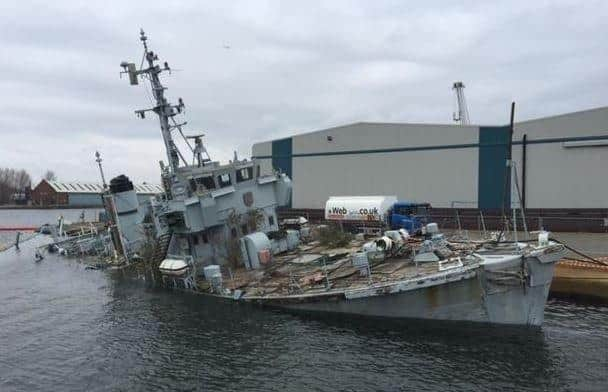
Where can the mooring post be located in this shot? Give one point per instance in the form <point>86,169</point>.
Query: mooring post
<point>17,240</point>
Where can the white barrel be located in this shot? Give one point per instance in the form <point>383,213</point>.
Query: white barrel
<point>384,243</point>
<point>395,235</point>
<point>432,228</point>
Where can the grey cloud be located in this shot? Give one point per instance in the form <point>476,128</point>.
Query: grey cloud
<point>290,67</point>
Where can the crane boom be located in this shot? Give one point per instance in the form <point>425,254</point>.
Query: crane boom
<point>462,116</point>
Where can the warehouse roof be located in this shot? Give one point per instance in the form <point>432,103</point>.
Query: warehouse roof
<point>87,187</point>
<point>146,188</point>
<point>436,125</point>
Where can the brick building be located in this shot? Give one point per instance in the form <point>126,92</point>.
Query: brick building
<point>79,194</point>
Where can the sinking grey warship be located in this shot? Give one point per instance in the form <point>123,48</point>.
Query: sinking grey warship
<point>219,235</point>
<point>206,206</point>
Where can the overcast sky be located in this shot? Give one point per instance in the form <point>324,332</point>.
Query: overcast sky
<point>255,70</point>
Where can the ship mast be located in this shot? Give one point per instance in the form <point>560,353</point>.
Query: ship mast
<point>163,108</point>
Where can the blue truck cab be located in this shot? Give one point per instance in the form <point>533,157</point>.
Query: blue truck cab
<point>408,215</point>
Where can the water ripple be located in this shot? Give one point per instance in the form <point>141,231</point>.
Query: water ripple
<point>66,328</point>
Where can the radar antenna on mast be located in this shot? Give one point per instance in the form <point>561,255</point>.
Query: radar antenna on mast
<point>462,116</point>
<point>199,150</point>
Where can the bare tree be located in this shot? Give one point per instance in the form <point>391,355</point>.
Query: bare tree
<point>12,182</point>
<point>50,176</point>
<point>6,184</point>
<point>22,180</point>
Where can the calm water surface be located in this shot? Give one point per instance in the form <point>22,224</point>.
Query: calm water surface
<point>27,217</point>
<point>65,328</point>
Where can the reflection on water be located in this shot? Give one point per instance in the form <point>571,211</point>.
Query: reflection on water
<point>66,328</point>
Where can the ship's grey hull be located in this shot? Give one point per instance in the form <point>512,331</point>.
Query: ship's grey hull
<point>510,290</point>
<point>451,301</point>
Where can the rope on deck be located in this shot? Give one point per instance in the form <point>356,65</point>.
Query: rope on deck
<point>571,249</point>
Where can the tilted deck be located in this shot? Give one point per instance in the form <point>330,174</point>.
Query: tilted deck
<point>316,270</point>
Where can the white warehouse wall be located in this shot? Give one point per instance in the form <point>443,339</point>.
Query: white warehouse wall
<point>556,176</point>
<point>411,175</point>
<point>437,175</point>
<point>263,149</point>
<point>560,177</point>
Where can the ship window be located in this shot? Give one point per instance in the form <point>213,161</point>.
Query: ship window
<point>257,169</point>
<point>192,185</point>
<point>244,174</point>
<point>195,240</point>
<point>244,229</point>
<point>206,182</point>
<point>205,238</point>
<point>224,179</point>
<point>271,220</point>
<point>233,232</point>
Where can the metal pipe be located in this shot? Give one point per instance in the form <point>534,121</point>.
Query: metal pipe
<point>511,130</point>
<point>17,240</point>
<point>508,165</point>
<point>507,172</point>
<point>98,160</point>
<point>483,223</point>
<point>523,213</point>
<point>515,225</point>
<point>524,145</point>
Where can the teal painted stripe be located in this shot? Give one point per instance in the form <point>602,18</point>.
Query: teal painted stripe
<point>436,147</point>
<point>493,172</point>
<point>281,155</point>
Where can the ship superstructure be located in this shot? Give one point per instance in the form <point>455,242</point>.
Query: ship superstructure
<point>207,206</point>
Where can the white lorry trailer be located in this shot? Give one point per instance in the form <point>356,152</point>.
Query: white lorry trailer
<point>370,213</point>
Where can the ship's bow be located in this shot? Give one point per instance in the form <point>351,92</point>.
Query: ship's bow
<point>516,286</point>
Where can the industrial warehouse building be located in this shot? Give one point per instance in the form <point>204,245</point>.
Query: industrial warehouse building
<point>80,194</point>
<point>561,163</point>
